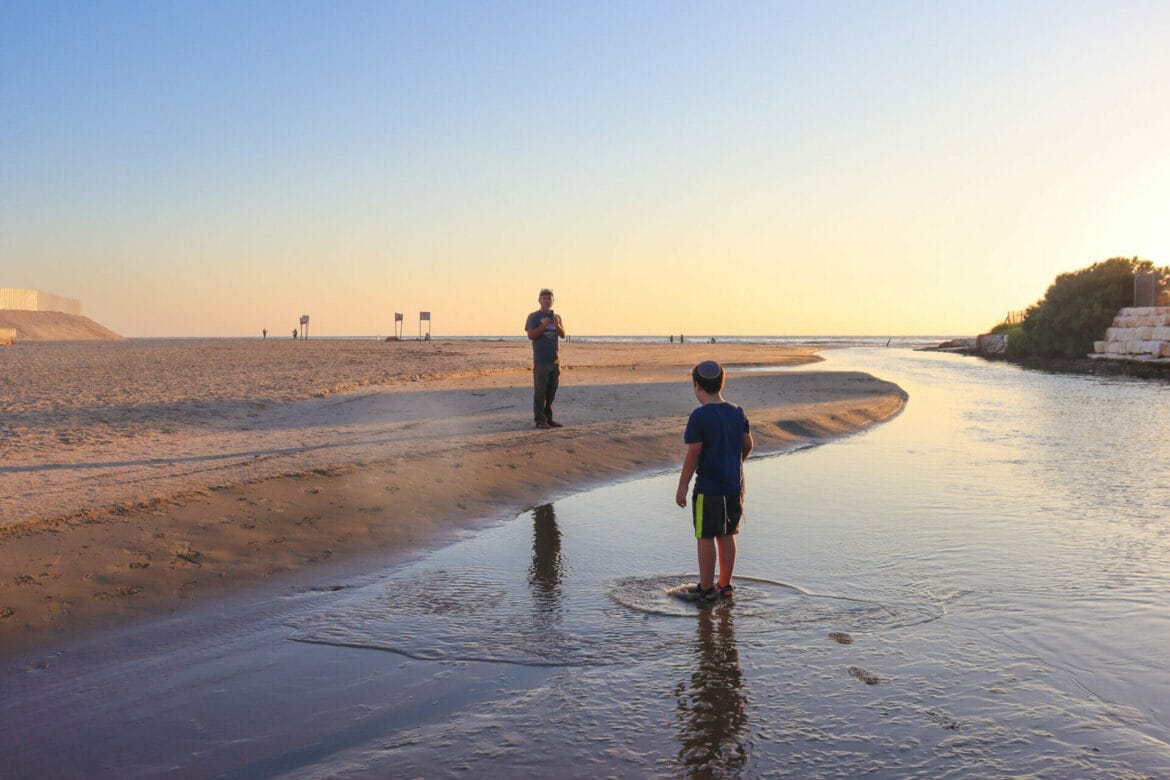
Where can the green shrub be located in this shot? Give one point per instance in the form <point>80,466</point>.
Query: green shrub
<point>1077,309</point>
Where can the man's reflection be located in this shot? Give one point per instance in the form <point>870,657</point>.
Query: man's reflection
<point>711,703</point>
<point>547,569</point>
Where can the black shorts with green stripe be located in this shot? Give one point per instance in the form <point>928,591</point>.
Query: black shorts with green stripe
<point>716,515</point>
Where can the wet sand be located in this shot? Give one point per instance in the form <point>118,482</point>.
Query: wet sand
<point>143,477</point>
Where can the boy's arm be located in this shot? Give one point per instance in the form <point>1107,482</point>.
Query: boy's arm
<point>748,445</point>
<point>690,463</point>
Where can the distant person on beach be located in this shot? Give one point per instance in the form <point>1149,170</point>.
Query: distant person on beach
<point>294,334</point>
<point>545,330</point>
<point>719,439</point>
<point>265,333</point>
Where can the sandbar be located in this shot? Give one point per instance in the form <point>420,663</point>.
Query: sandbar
<point>141,476</point>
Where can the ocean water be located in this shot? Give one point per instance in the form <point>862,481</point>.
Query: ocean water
<point>977,587</point>
<point>823,342</point>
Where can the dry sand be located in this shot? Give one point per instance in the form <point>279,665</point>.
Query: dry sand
<point>136,476</point>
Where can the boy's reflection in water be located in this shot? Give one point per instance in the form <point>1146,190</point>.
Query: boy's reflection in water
<point>711,704</point>
<point>547,569</point>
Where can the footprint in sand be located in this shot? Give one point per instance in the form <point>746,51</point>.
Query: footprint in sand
<point>124,590</point>
<point>185,553</point>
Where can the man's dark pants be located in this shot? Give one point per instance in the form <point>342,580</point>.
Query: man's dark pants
<point>546,377</point>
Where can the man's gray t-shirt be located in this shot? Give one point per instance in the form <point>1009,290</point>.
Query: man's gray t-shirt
<point>544,346</point>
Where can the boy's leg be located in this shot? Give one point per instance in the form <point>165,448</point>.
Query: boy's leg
<point>727,551</point>
<point>706,563</point>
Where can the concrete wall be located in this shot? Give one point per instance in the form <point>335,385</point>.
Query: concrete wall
<point>1137,333</point>
<point>35,300</point>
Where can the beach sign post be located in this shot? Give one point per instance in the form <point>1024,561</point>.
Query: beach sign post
<point>424,316</point>
<point>398,323</point>
<point>304,326</point>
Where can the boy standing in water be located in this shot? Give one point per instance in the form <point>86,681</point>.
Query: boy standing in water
<point>718,439</point>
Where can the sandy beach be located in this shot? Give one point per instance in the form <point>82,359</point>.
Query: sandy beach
<point>138,477</point>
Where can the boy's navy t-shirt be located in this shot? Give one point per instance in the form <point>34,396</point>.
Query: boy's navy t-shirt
<point>720,427</point>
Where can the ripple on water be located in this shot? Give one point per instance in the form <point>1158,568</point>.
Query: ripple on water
<point>763,606</point>
<point>470,615</point>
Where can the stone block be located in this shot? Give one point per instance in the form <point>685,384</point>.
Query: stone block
<point>992,343</point>
<point>1162,333</point>
<point>1150,347</point>
<point>1099,347</point>
<point>1115,348</point>
<point>1165,350</point>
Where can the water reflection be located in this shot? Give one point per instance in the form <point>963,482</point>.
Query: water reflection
<point>711,702</point>
<point>547,570</point>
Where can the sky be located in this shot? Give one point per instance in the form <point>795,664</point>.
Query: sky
<point>778,168</point>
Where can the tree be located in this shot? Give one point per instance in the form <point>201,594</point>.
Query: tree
<point>1077,309</point>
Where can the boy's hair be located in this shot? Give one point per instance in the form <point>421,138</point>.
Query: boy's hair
<point>709,376</point>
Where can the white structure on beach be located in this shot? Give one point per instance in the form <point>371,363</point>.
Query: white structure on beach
<point>35,300</point>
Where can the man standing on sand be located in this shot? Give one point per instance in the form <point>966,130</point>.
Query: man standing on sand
<point>545,331</point>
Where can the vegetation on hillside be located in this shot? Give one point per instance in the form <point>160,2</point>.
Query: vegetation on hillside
<point>1077,309</point>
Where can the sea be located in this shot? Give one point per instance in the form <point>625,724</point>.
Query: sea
<point>977,587</point>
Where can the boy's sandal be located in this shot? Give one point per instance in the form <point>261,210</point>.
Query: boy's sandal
<point>696,592</point>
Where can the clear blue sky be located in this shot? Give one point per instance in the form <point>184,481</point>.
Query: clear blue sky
<point>762,168</point>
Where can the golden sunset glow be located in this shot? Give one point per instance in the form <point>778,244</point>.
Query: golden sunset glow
<point>776,168</point>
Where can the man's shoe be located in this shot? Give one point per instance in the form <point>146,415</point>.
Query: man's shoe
<point>543,425</point>
<point>554,424</point>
